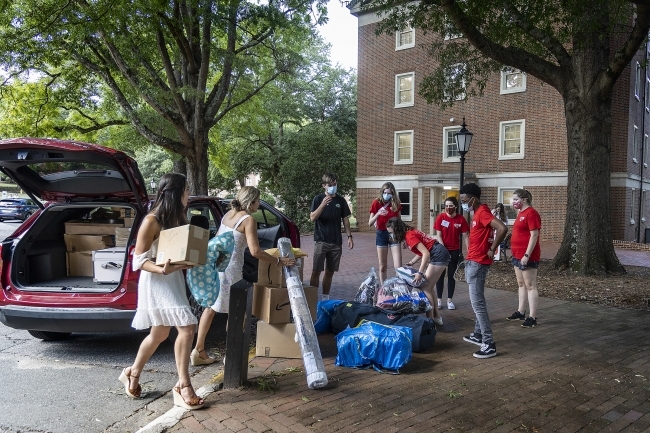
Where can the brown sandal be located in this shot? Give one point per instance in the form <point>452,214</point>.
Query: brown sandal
<point>126,380</point>
<point>191,404</point>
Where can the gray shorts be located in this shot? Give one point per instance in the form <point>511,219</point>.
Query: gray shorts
<point>326,252</point>
<point>439,255</point>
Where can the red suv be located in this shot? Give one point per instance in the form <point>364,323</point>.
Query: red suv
<point>73,182</point>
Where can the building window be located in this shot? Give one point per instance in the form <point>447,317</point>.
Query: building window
<point>404,94</point>
<point>635,143</point>
<point>404,147</point>
<point>455,86</point>
<point>449,147</point>
<point>637,82</point>
<point>511,139</point>
<point>405,198</point>
<point>405,38</point>
<point>632,208</point>
<point>505,197</point>
<point>512,81</point>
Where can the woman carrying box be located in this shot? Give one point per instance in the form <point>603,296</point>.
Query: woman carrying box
<point>245,232</point>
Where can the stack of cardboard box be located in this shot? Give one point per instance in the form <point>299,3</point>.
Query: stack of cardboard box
<point>81,239</point>
<point>275,328</point>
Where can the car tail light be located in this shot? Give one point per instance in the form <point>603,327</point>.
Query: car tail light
<point>1,262</point>
<point>129,273</point>
<point>19,207</point>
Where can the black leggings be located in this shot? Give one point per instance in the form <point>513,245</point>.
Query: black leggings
<point>451,283</point>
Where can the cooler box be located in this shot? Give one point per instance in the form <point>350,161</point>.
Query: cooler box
<point>108,264</point>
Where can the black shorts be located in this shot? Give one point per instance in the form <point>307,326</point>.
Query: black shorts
<point>330,253</point>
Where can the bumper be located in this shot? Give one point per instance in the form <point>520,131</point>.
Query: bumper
<point>12,216</point>
<point>67,319</point>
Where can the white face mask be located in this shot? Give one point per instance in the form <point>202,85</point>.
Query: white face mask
<point>331,189</point>
<point>465,207</point>
<point>387,197</point>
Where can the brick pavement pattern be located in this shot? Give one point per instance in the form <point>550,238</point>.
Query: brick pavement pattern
<point>585,368</point>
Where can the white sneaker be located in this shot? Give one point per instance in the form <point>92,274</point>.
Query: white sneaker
<point>438,321</point>
<point>450,305</point>
<point>325,297</point>
<point>439,305</point>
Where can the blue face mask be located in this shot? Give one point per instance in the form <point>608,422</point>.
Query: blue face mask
<point>465,207</point>
<point>387,197</point>
<point>331,189</point>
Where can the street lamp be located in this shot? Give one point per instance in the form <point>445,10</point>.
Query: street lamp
<point>463,140</point>
<point>153,186</point>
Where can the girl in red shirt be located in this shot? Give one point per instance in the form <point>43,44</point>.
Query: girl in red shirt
<point>449,226</point>
<point>526,254</point>
<point>385,207</point>
<point>434,255</point>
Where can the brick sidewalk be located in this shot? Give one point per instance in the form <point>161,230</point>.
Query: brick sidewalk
<point>584,368</point>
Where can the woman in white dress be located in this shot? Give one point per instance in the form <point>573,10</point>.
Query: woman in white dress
<point>162,299</point>
<point>244,229</point>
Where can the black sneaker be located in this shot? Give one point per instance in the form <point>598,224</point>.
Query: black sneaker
<point>517,316</point>
<point>486,351</point>
<point>474,338</point>
<point>529,323</point>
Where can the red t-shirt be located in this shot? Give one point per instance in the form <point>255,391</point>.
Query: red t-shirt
<point>527,220</point>
<point>383,219</point>
<point>451,228</point>
<point>414,237</point>
<point>481,236</point>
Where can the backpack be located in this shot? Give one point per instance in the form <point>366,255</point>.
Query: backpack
<point>424,331</point>
<point>203,281</point>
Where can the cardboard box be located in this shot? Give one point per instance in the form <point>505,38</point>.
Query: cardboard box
<point>277,341</point>
<point>77,243</point>
<point>186,245</point>
<point>125,212</point>
<point>271,304</point>
<point>122,236</point>
<point>86,227</point>
<point>108,264</point>
<point>128,222</point>
<point>79,264</point>
<point>272,275</point>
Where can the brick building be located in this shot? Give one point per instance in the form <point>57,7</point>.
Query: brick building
<point>519,138</point>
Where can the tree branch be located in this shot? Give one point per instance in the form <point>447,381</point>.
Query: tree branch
<point>624,55</point>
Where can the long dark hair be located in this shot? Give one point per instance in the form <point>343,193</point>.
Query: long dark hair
<point>399,228</point>
<point>168,207</point>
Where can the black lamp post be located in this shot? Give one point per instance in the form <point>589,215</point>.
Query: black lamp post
<point>153,186</point>
<point>463,140</point>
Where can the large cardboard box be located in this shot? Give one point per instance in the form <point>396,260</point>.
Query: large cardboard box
<point>128,222</point>
<point>271,304</point>
<point>122,236</point>
<point>86,227</point>
<point>272,275</point>
<point>187,245</point>
<point>76,243</point>
<point>79,264</point>
<point>108,264</point>
<point>277,341</point>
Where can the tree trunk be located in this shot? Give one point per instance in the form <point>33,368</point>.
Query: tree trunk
<point>197,170</point>
<point>587,246</point>
<point>180,165</point>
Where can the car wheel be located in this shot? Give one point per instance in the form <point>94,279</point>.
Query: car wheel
<point>27,215</point>
<point>50,336</point>
<point>2,220</point>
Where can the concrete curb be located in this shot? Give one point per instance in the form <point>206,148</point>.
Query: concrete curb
<point>170,418</point>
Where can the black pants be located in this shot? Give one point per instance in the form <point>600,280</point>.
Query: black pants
<point>451,270</point>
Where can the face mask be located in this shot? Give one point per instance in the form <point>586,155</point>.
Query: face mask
<point>387,197</point>
<point>331,189</point>
<point>450,210</point>
<point>465,207</point>
<point>517,204</point>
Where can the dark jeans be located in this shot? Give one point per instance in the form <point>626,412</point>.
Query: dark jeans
<point>451,283</point>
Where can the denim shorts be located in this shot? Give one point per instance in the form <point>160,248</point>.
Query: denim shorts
<point>439,255</point>
<point>530,265</point>
<point>382,239</point>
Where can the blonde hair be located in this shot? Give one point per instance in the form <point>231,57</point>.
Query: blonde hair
<point>245,197</point>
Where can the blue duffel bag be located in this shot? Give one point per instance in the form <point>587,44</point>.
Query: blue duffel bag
<point>383,347</point>
<point>324,312</point>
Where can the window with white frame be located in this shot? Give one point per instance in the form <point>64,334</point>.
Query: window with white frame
<point>455,86</point>
<point>635,143</point>
<point>404,147</point>
<point>511,139</point>
<point>449,147</point>
<point>505,197</point>
<point>632,207</point>
<point>405,197</point>
<point>637,81</point>
<point>405,38</point>
<point>645,150</point>
<point>404,90</point>
<point>512,81</point>
<point>643,198</point>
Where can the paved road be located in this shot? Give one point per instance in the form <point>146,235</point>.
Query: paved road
<point>71,386</point>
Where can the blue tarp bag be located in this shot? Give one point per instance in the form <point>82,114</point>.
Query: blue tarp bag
<point>383,347</point>
<point>324,312</point>
<point>203,281</point>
